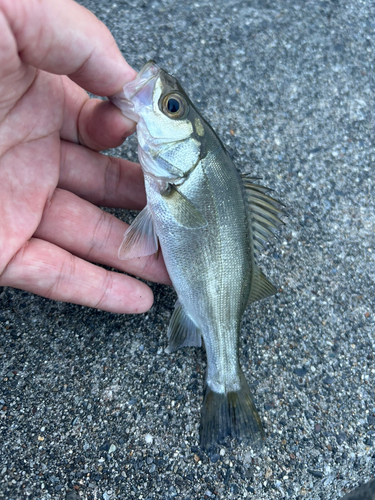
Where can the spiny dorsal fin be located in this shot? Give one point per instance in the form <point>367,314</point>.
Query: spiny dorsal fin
<point>263,210</point>
<point>260,286</point>
<point>182,331</point>
<point>140,239</point>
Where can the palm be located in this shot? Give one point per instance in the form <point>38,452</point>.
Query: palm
<point>30,159</point>
<point>52,178</point>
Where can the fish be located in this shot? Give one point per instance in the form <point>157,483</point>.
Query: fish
<point>210,223</point>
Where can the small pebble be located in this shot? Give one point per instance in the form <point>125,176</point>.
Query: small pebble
<point>71,495</point>
<point>301,372</point>
<point>149,439</point>
<point>328,380</point>
<point>315,473</point>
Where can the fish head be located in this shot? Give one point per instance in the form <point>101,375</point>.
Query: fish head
<point>169,128</point>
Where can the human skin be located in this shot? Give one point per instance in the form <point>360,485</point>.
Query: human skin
<point>52,176</point>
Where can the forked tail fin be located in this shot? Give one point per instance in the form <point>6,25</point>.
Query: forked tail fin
<point>230,414</point>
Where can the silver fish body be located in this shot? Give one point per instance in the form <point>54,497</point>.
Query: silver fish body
<point>210,224</point>
<point>210,266</point>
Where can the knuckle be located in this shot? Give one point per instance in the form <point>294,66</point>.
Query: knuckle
<point>100,235</point>
<point>64,276</point>
<point>106,288</point>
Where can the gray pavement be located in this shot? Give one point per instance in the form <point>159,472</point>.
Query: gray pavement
<point>92,407</point>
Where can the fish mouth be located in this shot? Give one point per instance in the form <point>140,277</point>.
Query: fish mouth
<point>149,71</point>
<point>138,92</point>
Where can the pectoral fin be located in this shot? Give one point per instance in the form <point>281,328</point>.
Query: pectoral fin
<point>182,209</point>
<point>182,331</point>
<point>140,238</point>
<point>260,286</point>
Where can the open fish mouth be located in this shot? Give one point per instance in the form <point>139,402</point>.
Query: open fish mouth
<point>149,71</point>
<point>137,93</point>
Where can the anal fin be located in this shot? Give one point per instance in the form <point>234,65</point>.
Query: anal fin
<point>260,286</point>
<point>182,331</point>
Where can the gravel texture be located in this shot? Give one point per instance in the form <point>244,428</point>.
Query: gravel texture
<point>91,405</point>
<point>365,492</point>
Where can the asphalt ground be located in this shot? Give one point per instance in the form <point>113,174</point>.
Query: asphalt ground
<point>92,407</point>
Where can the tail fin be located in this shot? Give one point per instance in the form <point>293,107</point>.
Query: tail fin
<point>230,414</point>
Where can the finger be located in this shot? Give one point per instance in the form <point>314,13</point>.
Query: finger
<point>103,180</point>
<point>94,123</point>
<point>92,234</point>
<point>102,126</point>
<point>64,38</point>
<point>45,269</point>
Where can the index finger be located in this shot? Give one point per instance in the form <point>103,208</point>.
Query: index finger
<point>64,38</point>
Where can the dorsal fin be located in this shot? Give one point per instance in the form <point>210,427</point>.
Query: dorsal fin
<point>260,286</point>
<point>263,211</point>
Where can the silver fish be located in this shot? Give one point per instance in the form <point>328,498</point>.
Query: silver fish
<point>210,223</point>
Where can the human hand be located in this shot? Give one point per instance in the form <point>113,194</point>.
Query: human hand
<point>51,174</point>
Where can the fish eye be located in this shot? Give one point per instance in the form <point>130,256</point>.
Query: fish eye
<point>174,106</point>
